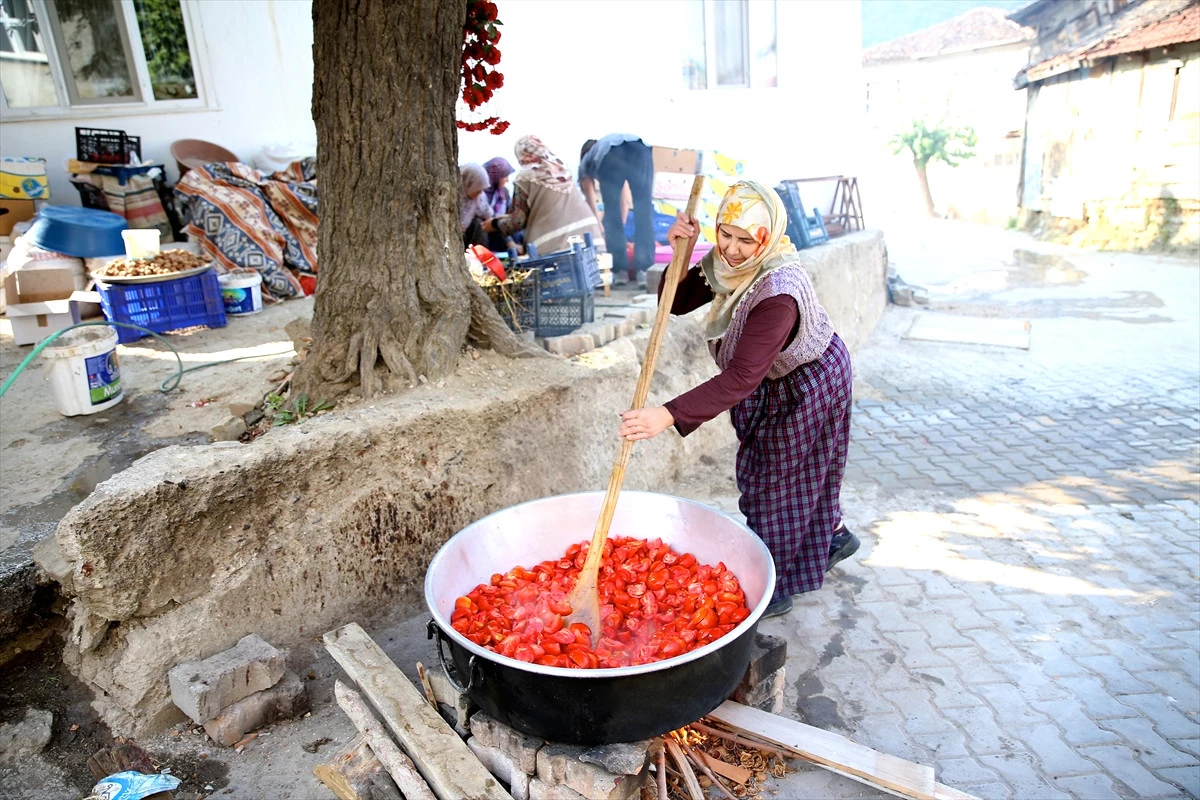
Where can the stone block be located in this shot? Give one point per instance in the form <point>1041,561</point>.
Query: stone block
<point>626,327</point>
<point>654,276</point>
<point>230,430</point>
<point>22,740</point>
<point>48,555</point>
<point>625,758</point>
<point>601,332</point>
<point>768,654</point>
<point>503,767</point>
<point>540,790</point>
<point>767,695</point>
<point>571,345</point>
<point>520,747</point>
<point>561,764</point>
<point>458,706</point>
<point>284,700</point>
<point>202,689</point>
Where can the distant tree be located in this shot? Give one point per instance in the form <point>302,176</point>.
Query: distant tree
<point>936,142</point>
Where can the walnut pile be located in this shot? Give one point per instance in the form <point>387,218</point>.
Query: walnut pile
<point>167,262</point>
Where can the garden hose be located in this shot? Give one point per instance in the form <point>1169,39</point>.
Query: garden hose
<point>166,386</point>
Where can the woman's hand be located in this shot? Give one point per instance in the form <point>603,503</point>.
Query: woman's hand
<point>489,226</point>
<point>645,423</point>
<point>684,227</point>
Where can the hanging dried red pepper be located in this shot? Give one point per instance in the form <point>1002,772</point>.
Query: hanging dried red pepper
<point>480,79</point>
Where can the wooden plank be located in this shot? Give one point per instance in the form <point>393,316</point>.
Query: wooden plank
<point>726,770</point>
<point>833,751</point>
<point>354,773</point>
<point>685,769</point>
<point>443,759</point>
<point>398,765</point>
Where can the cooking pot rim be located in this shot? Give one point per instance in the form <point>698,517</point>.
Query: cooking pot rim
<point>609,672</point>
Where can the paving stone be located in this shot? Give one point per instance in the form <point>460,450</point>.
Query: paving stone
<point>1089,787</point>
<point>915,651</point>
<point>1116,679</point>
<point>959,772</point>
<point>919,714</point>
<point>1018,773</point>
<point>1180,689</point>
<point>1097,702</point>
<point>1055,756</point>
<point>1165,715</point>
<point>984,735</point>
<point>202,689</point>
<point>1077,727</point>
<point>888,618</point>
<point>1153,751</point>
<point>1121,763</point>
<point>1186,777</point>
<point>948,744</point>
<point>972,664</point>
<point>1011,708</point>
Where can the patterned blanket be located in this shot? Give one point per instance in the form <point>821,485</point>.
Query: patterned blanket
<point>245,218</point>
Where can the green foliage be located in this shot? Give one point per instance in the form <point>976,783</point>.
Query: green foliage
<point>295,411</point>
<point>164,39</point>
<point>936,142</point>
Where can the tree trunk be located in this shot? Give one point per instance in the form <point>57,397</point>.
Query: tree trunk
<point>923,179</point>
<point>394,296</point>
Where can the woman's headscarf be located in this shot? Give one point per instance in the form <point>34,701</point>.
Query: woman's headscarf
<point>497,169</point>
<point>759,211</point>
<point>541,166</point>
<point>474,180</point>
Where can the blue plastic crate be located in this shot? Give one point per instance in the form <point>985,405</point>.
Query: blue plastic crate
<point>163,305</point>
<point>560,316</point>
<point>566,273</point>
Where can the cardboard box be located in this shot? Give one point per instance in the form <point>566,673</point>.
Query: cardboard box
<point>12,212</point>
<point>668,159</point>
<point>33,322</point>
<point>39,285</point>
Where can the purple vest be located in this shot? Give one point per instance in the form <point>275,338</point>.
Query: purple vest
<point>813,332</point>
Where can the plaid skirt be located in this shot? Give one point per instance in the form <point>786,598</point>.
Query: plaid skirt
<point>793,434</point>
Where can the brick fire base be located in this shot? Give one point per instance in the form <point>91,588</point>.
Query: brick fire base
<point>535,769</point>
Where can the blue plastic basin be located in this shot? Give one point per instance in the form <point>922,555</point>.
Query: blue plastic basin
<point>79,232</point>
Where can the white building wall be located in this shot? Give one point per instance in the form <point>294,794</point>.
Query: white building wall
<point>256,56</point>
<point>583,69</point>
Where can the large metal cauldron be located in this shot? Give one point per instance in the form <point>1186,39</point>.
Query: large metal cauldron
<point>602,705</point>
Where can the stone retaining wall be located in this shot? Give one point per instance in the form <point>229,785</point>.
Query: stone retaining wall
<point>335,519</point>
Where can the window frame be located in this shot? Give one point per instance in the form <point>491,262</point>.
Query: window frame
<point>144,103</point>
<point>748,60</point>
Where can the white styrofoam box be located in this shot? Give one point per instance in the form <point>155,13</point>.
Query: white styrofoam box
<point>32,322</point>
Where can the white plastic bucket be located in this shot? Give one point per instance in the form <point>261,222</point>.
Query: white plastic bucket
<point>241,290</point>
<point>141,242</point>
<point>84,370</point>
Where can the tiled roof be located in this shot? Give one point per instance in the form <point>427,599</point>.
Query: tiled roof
<point>1156,23</point>
<point>978,28</point>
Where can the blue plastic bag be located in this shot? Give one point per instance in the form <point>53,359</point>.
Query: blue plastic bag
<point>132,786</point>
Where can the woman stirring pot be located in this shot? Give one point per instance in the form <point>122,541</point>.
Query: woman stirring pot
<point>785,378</point>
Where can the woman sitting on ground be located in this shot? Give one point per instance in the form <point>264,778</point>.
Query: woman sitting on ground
<point>473,207</point>
<point>547,203</point>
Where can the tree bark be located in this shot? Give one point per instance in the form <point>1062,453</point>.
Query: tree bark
<point>923,179</point>
<point>394,298</point>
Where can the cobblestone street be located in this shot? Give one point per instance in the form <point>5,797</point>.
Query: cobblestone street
<point>1024,612</point>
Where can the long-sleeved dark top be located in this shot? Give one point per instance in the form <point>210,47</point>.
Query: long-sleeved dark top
<point>769,328</point>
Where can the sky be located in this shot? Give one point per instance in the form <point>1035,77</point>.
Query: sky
<point>884,20</point>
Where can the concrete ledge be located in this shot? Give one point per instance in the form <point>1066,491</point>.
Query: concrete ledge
<point>850,276</point>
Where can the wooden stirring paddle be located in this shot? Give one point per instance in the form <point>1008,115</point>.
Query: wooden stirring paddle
<point>585,596</point>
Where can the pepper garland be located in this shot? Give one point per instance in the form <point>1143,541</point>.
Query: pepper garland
<point>479,59</point>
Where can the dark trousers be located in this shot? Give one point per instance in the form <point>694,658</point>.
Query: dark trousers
<point>632,162</point>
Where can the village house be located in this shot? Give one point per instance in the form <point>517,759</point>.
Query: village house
<point>959,70</point>
<point>1112,140</point>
